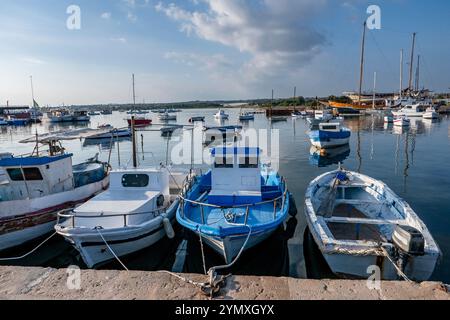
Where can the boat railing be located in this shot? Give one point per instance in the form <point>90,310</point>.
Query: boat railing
<point>247,207</point>
<point>68,214</point>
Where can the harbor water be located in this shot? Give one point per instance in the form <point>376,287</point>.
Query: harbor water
<point>413,162</point>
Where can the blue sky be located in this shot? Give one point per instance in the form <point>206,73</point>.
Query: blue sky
<point>212,49</point>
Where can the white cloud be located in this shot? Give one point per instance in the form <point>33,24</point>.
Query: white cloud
<point>119,39</point>
<point>274,32</point>
<point>131,17</point>
<point>204,62</point>
<point>32,60</point>
<point>106,15</point>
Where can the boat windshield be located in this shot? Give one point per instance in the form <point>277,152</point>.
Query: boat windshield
<point>135,180</point>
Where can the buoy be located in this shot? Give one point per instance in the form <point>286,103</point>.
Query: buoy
<point>168,228</point>
<point>323,152</point>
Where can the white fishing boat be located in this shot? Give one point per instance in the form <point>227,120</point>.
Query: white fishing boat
<point>34,188</point>
<point>358,222</point>
<point>401,121</point>
<point>430,113</point>
<point>57,116</point>
<point>221,115</point>
<point>330,135</point>
<point>411,110</point>
<point>81,116</point>
<point>134,213</point>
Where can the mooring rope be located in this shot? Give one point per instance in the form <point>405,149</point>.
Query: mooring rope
<point>399,271</point>
<point>110,249</point>
<point>27,254</point>
<point>202,251</point>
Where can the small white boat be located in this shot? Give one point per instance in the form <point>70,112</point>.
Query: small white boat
<point>430,113</point>
<point>166,116</point>
<point>358,222</point>
<point>401,121</point>
<point>330,135</point>
<point>411,110</point>
<point>134,213</point>
<point>221,115</point>
<point>57,116</point>
<point>81,116</point>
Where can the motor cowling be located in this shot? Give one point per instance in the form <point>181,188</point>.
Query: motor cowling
<point>409,240</point>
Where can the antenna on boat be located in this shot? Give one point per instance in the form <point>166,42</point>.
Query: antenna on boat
<point>133,131</point>
<point>412,62</point>
<point>361,67</point>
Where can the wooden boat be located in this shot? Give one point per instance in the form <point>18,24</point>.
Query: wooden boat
<point>358,222</point>
<point>235,205</point>
<point>134,213</point>
<point>330,135</point>
<point>34,188</point>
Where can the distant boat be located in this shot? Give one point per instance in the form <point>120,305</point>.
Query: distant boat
<point>411,110</point>
<point>106,112</point>
<point>357,222</point>
<point>13,121</point>
<point>111,132</point>
<point>61,115</point>
<point>237,204</point>
<point>247,116</point>
<point>81,116</point>
<point>221,115</point>
<point>140,122</point>
<point>94,113</point>
<point>166,116</point>
<point>33,188</point>
<point>3,122</point>
<point>278,118</point>
<point>330,135</point>
<point>296,114</point>
<point>430,113</point>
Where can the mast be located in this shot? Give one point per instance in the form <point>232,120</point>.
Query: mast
<point>412,62</point>
<point>361,71</point>
<point>418,73</point>
<point>133,131</point>
<point>401,73</point>
<point>295,93</point>
<point>32,91</point>
<point>374,87</point>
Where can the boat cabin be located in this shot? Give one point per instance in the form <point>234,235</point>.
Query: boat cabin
<point>235,176</point>
<point>34,177</point>
<point>333,127</point>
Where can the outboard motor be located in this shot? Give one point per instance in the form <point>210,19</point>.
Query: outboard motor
<point>409,242</point>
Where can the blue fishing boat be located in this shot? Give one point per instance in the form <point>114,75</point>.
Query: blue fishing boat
<point>330,135</point>
<point>235,205</point>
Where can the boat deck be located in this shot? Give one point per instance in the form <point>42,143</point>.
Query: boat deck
<point>350,231</point>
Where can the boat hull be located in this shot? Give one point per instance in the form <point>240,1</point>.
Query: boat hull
<point>24,220</point>
<point>324,139</point>
<point>122,241</point>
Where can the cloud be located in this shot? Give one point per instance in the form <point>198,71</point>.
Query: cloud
<point>119,39</point>
<point>204,62</point>
<point>32,60</point>
<point>131,17</point>
<point>106,15</point>
<point>275,33</point>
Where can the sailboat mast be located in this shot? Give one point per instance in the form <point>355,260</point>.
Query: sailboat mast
<point>295,94</point>
<point>133,131</point>
<point>361,71</point>
<point>411,62</point>
<point>401,73</point>
<point>374,88</point>
<point>417,73</point>
<point>32,91</point>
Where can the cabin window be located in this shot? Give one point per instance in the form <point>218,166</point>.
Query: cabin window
<point>248,162</point>
<point>223,161</point>
<point>329,127</point>
<point>135,180</point>
<point>15,174</point>
<point>32,174</point>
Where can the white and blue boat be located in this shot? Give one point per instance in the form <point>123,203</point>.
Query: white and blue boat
<point>235,205</point>
<point>330,135</point>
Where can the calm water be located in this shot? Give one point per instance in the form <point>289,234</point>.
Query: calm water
<point>414,163</point>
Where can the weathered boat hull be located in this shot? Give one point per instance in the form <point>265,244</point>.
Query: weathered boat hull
<point>24,220</point>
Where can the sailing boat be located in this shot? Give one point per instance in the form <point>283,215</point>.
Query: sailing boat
<point>138,121</point>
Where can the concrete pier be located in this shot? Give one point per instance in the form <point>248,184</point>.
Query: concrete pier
<point>47,283</point>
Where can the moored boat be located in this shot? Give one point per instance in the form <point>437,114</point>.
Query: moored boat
<point>430,113</point>
<point>221,115</point>
<point>33,188</point>
<point>235,205</point>
<point>246,116</point>
<point>358,222</point>
<point>330,135</point>
<point>134,213</point>
<point>197,119</point>
<point>401,121</point>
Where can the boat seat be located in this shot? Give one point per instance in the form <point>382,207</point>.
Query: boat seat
<point>360,201</point>
<point>231,198</point>
<point>363,221</point>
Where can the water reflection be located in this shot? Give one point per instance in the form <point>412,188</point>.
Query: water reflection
<point>105,144</point>
<point>329,157</point>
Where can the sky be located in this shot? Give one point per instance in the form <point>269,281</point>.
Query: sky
<point>213,49</point>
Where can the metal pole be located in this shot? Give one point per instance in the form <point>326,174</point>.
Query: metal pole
<point>411,62</point>
<point>361,71</point>
<point>401,73</point>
